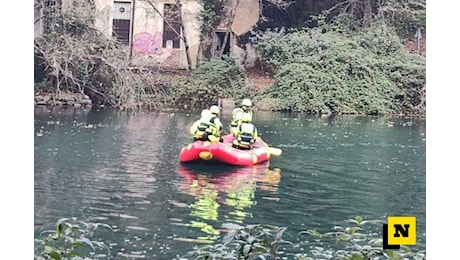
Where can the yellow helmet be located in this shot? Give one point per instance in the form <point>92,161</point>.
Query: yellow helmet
<point>246,102</point>
<point>214,110</point>
<point>246,118</point>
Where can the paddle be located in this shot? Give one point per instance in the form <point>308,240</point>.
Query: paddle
<point>274,150</point>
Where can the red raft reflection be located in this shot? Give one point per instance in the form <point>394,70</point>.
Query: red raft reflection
<point>223,152</point>
<point>228,178</point>
<point>223,193</point>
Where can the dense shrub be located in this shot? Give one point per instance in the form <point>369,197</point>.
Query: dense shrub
<point>74,56</point>
<point>71,239</point>
<point>213,79</point>
<point>357,239</point>
<point>331,69</point>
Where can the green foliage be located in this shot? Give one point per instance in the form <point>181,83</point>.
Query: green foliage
<point>361,242</point>
<point>77,57</point>
<point>327,70</point>
<point>359,239</point>
<point>406,16</point>
<point>244,242</point>
<point>343,65</point>
<point>209,15</point>
<point>70,240</point>
<point>213,79</point>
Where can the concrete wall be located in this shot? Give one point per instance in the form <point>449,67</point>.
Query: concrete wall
<point>192,27</point>
<point>147,30</point>
<point>246,16</point>
<point>147,36</point>
<point>104,16</point>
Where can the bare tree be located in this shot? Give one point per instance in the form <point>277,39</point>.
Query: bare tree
<point>78,57</point>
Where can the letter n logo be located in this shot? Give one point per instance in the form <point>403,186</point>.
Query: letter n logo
<point>401,230</point>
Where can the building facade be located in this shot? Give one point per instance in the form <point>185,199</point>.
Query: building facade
<point>163,33</point>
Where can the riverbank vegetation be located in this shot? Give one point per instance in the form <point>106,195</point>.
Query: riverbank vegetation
<point>356,239</point>
<point>337,69</point>
<point>348,59</point>
<point>74,56</point>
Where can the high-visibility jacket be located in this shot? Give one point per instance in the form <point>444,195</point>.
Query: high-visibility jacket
<point>216,121</point>
<point>245,136</point>
<point>237,115</point>
<point>205,126</point>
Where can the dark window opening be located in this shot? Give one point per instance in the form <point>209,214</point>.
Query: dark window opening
<point>121,29</point>
<point>121,22</point>
<point>171,26</point>
<point>221,43</point>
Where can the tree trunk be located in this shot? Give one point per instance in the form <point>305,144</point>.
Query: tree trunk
<point>367,12</point>
<point>187,52</point>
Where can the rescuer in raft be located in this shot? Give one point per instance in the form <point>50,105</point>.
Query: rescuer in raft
<point>237,115</point>
<point>246,133</point>
<point>216,111</point>
<point>208,127</point>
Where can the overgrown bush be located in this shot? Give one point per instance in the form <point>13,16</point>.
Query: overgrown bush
<point>243,242</point>
<point>357,240</point>
<point>406,16</point>
<point>77,57</point>
<point>333,69</point>
<point>70,240</point>
<point>213,79</point>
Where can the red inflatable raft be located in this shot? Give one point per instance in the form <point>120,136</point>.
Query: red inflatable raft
<point>223,152</point>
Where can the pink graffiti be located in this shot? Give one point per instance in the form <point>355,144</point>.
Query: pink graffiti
<point>145,43</point>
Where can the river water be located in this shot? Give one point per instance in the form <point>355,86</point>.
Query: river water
<point>122,169</point>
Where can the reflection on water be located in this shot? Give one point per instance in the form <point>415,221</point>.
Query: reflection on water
<point>123,170</point>
<point>224,186</point>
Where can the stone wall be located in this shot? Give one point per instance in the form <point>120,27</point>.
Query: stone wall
<point>62,99</point>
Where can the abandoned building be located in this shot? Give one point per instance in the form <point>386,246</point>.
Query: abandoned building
<point>155,36</point>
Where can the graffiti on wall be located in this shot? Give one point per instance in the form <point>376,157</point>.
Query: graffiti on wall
<point>146,43</point>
